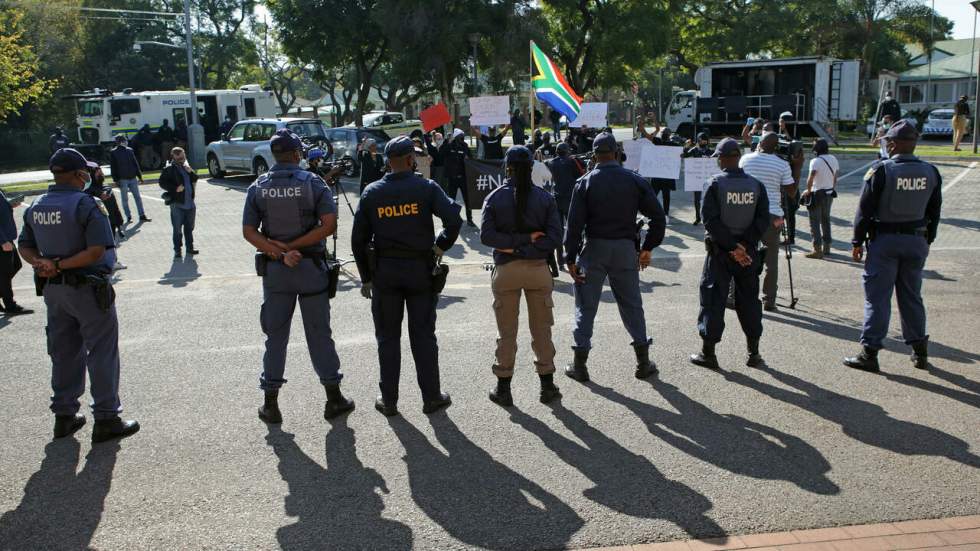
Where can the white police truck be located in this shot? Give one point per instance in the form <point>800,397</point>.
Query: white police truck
<point>102,114</point>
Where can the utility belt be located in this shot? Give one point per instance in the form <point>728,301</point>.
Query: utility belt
<point>915,229</point>
<point>438,270</point>
<point>404,253</point>
<point>318,258</point>
<point>101,285</point>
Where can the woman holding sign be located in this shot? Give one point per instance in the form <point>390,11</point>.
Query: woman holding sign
<point>521,223</point>
<point>661,136</point>
<point>702,149</point>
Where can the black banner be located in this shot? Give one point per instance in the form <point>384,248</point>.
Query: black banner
<point>482,177</point>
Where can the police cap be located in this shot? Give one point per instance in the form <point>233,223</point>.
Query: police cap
<point>604,143</point>
<point>517,154</point>
<point>726,147</point>
<point>67,160</point>
<point>902,130</point>
<point>562,148</point>
<point>284,141</point>
<point>399,147</point>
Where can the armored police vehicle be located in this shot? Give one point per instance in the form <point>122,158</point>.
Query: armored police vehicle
<point>103,114</point>
<point>818,91</point>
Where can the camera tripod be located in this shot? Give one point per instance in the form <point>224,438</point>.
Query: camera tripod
<point>338,186</point>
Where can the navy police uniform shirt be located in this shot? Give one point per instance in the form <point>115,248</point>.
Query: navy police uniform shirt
<point>286,203</point>
<point>64,222</point>
<point>902,184</point>
<point>499,228</point>
<point>604,206</point>
<point>396,214</point>
<point>735,210</point>
<point>565,171</point>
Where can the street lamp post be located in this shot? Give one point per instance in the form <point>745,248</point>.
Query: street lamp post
<point>976,94</point>
<point>195,132</point>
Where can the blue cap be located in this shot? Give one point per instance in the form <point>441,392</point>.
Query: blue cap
<point>902,130</point>
<point>399,147</point>
<point>284,141</point>
<point>315,153</point>
<point>604,143</point>
<point>726,147</point>
<point>67,160</point>
<point>517,154</point>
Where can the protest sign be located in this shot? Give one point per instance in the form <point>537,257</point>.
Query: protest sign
<point>482,177</point>
<point>592,115</point>
<point>434,117</point>
<point>698,172</point>
<point>661,161</point>
<point>489,110</point>
<point>634,151</point>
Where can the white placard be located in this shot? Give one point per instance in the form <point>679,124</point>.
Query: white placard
<point>661,161</point>
<point>633,150</point>
<point>592,115</point>
<point>698,172</point>
<point>489,110</point>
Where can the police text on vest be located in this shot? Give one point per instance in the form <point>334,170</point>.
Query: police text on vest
<point>911,184</point>
<point>282,192</point>
<point>406,209</point>
<point>740,198</point>
<point>47,218</point>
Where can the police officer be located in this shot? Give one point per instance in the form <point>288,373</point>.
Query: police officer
<point>58,140</point>
<point>67,239</point>
<point>698,150</point>
<point>9,262</point>
<point>604,207</point>
<point>736,214</point>
<point>289,212</point>
<point>395,216</point>
<point>565,171</point>
<point>898,215</point>
<point>521,224</point>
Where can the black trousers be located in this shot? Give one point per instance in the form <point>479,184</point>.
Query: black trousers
<point>8,262</point>
<point>720,272</point>
<point>457,183</point>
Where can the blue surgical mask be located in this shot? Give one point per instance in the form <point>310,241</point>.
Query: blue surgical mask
<point>88,182</point>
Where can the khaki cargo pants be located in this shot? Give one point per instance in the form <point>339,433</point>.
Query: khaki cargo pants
<point>534,278</point>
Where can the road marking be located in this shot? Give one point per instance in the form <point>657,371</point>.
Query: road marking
<point>152,198</point>
<point>855,171</point>
<point>961,176</point>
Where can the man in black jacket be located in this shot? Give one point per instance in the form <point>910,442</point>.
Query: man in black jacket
<point>126,173</point>
<point>9,261</point>
<point>179,180</point>
<point>454,154</point>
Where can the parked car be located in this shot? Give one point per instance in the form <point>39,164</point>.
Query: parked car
<point>345,140</point>
<point>245,148</point>
<point>939,122</point>
<point>392,123</point>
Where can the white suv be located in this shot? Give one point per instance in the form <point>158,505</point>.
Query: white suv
<point>245,148</point>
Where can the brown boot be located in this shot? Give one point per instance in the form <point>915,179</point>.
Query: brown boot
<point>815,253</point>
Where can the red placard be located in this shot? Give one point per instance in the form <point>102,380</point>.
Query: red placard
<point>434,117</point>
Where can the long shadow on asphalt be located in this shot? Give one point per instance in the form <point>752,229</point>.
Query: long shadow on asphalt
<point>625,482</point>
<point>182,272</point>
<point>477,499</point>
<point>61,509</point>
<point>337,506</point>
<point>863,421</point>
<point>729,442</point>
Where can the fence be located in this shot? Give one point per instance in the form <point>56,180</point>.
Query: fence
<point>23,148</point>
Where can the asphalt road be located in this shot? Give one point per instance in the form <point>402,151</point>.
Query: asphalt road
<point>803,443</point>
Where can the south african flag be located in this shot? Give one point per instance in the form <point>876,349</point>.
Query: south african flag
<point>551,87</point>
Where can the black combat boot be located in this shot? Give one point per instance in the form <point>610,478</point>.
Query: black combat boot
<point>269,412</point>
<point>754,359</point>
<point>644,367</point>
<point>65,425</point>
<point>578,369</point>
<point>867,360</point>
<point>110,429</point>
<point>336,404</point>
<point>920,354</point>
<point>549,391</point>
<point>706,358</point>
<point>388,409</point>
<point>501,395</point>
<point>441,401</point>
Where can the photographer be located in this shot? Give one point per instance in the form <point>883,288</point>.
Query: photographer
<point>821,188</point>
<point>179,180</point>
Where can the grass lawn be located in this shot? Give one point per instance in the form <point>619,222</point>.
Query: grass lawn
<point>24,187</point>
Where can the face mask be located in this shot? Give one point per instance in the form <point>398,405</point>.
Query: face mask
<point>88,181</point>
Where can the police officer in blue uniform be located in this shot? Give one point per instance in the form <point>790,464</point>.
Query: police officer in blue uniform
<point>67,239</point>
<point>394,220</point>
<point>565,171</point>
<point>521,223</point>
<point>736,214</point>
<point>897,217</point>
<point>289,213</point>
<point>603,210</point>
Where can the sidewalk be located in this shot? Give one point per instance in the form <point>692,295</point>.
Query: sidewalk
<point>959,533</point>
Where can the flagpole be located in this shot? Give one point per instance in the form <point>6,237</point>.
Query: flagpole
<point>530,103</point>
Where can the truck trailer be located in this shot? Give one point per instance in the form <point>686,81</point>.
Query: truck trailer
<point>818,91</point>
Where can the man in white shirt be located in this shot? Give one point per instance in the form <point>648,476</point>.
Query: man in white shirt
<point>765,166</point>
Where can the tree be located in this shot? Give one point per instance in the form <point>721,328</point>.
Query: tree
<point>19,79</point>
<point>601,43</point>
<point>277,70</point>
<point>221,47</point>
